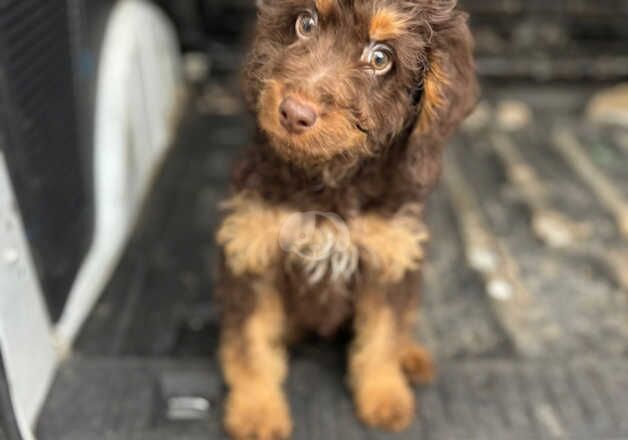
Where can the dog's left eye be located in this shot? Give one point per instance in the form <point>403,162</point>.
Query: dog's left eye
<point>306,24</point>
<point>379,58</point>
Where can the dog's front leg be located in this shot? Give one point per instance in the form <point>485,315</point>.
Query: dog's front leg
<point>254,364</point>
<point>381,392</point>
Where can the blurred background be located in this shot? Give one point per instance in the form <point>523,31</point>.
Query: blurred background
<point>118,124</point>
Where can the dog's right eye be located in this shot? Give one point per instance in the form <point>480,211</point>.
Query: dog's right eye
<point>306,24</point>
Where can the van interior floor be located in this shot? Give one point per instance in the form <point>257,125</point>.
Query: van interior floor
<point>530,327</point>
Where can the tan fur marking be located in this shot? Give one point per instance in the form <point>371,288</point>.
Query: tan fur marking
<point>381,393</point>
<point>416,362</point>
<point>250,235</point>
<point>387,24</point>
<point>391,247</point>
<point>433,97</point>
<point>254,365</point>
<point>325,7</point>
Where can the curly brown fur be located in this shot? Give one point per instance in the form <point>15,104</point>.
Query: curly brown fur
<point>368,160</point>
<point>254,366</point>
<point>381,394</point>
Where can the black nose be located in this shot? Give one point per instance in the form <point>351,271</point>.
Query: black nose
<point>296,116</point>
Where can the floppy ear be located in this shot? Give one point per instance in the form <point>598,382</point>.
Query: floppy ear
<point>449,91</point>
<point>450,87</point>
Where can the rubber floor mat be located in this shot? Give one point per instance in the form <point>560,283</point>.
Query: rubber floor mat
<point>165,399</point>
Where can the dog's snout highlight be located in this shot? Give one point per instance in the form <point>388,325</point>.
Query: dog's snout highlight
<point>297,116</point>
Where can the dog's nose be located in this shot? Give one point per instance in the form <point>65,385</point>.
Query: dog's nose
<point>296,116</point>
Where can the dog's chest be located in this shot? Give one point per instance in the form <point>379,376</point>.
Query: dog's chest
<point>318,247</point>
<point>320,253</point>
<point>320,308</point>
<point>324,257</point>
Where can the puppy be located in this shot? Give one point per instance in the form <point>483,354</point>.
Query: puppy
<point>354,100</point>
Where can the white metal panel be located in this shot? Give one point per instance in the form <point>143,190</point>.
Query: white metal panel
<point>138,87</point>
<point>25,333</point>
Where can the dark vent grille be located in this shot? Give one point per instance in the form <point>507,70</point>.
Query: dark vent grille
<point>42,143</point>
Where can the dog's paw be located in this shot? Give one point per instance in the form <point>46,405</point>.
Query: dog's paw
<point>385,402</point>
<point>257,416</point>
<point>418,365</point>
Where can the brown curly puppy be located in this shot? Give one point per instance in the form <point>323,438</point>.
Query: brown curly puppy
<point>354,100</point>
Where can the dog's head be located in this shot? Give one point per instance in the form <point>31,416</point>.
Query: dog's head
<point>331,78</point>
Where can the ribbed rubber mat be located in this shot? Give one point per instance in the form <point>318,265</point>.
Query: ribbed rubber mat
<point>129,399</point>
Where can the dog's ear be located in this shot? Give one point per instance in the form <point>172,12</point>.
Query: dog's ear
<point>450,88</point>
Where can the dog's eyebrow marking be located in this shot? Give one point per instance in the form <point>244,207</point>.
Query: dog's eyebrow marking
<point>387,24</point>
<point>325,7</point>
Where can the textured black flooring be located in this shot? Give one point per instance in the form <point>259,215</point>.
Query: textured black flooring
<point>129,399</point>
<point>158,302</point>
<point>151,339</point>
